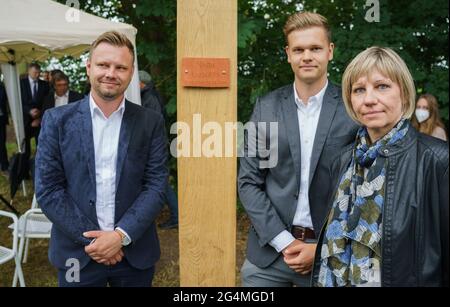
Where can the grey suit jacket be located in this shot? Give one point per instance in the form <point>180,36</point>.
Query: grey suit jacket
<point>269,195</point>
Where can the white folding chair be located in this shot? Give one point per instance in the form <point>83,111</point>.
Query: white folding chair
<point>7,254</point>
<point>32,225</point>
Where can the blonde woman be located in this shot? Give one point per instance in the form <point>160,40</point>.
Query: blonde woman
<point>388,222</point>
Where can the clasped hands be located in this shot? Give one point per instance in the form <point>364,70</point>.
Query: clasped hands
<point>106,248</point>
<point>299,256</point>
<point>35,116</point>
<point>35,113</point>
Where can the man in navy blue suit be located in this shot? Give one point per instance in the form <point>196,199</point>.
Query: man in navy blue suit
<point>101,175</point>
<point>32,91</point>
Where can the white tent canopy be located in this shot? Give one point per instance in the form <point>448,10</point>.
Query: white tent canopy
<point>33,30</point>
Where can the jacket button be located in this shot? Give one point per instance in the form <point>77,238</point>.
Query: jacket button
<point>91,202</point>
<point>386,151</point>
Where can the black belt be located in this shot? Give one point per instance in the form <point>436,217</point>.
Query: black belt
<point>303,233</point>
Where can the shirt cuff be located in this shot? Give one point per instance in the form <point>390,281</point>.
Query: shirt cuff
<point>124,232</point>
<point>282,240</point>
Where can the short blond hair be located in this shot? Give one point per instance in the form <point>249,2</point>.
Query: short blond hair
<point>388,63</point>
<point>304,20</point>
<point>113,38</point>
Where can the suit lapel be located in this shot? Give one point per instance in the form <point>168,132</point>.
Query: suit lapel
<point>126,130</point>
<point>292,129</point>
<point>87,138</point>
<point>27,85</point>
<point>329,104</point>
<point>71,97</point>
<point>51,101</point>
<point>40,91</point>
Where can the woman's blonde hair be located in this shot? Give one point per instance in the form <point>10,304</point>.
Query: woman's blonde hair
<point>433,121</point>
<point>388,63</point>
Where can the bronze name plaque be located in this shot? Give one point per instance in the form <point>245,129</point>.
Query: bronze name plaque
<point>205,72</point>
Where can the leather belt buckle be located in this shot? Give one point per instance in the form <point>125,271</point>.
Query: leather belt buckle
<point>302,233</point>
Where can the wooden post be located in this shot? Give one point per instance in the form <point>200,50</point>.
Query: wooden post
<point>207,185</point>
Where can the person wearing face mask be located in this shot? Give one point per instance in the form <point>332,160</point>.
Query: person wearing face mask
<point>426,118</point>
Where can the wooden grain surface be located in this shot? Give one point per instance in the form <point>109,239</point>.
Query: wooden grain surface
<point>207,185</point>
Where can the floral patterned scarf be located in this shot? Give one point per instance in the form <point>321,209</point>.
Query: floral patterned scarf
<point>352,239</point>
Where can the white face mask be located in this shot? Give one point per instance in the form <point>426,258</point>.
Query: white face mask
<point>422,115</point>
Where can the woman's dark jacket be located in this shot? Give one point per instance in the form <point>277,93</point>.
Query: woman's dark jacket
<point>414,243</point>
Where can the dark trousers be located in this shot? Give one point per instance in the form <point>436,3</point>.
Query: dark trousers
<point>172,203</point>
<point>99,275</point>
<point>3,153</point>
<point>30,133</point>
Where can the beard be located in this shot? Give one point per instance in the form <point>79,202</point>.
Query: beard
<point>108,94</point>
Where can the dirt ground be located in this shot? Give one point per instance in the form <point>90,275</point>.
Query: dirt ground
<point>38,271</point>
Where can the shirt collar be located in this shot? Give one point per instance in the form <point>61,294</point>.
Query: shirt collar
<point>316,98</point>
<point>31,80</point>
<point>95,109</point>
<point>65,95</point>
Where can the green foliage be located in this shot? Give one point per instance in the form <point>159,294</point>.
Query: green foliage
<point>156,44</point>
<point>417,30</point>
<point>74,68</point>
<point>156,8</point>
<point>249,30</point>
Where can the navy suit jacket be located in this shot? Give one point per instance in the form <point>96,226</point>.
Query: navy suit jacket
<point>66,189</point>
<point>27,100</point>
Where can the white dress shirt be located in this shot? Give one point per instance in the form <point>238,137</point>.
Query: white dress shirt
<point>106,142</point>
<point>308,118</point>
<point>32,82</point>
<point>63,100</point>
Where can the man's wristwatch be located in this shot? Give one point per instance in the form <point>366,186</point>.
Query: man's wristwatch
<point>124,239</point>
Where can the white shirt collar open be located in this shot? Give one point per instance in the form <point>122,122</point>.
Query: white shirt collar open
<point>96,110</point>
<point>313,99</point>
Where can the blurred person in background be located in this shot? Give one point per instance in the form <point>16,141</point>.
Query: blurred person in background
<point>151,99</point>
<point>45,76</point>
<point>426,118</point>
<point>61,95</point>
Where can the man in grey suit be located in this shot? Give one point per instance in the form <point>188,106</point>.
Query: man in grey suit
<point>286,202</point>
